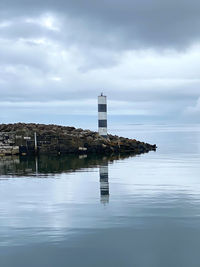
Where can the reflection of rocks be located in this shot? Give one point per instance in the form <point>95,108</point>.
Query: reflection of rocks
<point>104,184</point>
<point>45,164</point>
<point>53,139</point>
<point>9,164</point>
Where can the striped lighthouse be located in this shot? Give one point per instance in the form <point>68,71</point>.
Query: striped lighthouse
<point>102,115</point>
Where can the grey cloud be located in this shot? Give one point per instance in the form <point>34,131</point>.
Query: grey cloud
<point>130,24</point>
<point>22,56</point>
<point>22,29</point>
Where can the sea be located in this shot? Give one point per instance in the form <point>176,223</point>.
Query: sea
<point>105,211</point>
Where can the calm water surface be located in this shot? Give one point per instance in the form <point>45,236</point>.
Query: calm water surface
<point>114,212</point>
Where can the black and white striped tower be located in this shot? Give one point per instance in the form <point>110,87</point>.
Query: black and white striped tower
<point>102,115</point>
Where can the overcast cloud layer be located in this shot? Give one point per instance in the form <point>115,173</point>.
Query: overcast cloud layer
<point>57,56</point>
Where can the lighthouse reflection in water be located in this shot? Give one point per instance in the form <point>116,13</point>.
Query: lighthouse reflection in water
<point>104,185</point>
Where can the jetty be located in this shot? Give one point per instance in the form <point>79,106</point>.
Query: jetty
<point>28,139</point>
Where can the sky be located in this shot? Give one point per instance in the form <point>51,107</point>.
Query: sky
<point>56,57</point>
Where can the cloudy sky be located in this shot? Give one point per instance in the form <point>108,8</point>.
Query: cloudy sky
<point>57,56</point>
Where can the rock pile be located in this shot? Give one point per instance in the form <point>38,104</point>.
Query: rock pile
<point>54,139</point>
<point>7,144</point>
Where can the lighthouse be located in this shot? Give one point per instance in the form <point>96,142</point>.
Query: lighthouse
<point>102,115</point>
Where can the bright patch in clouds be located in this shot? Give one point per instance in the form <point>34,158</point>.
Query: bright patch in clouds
<point>47,21</point>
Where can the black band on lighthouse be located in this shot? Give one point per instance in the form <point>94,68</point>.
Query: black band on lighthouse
<point>102,123</point>
<point>102,108</point>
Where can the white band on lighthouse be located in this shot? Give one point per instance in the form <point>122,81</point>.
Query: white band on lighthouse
<point>102,115</point>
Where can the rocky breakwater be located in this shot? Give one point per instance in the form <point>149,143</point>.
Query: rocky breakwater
<point>54,139</point>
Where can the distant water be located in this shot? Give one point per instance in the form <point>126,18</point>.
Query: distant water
<point>141,211</point>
